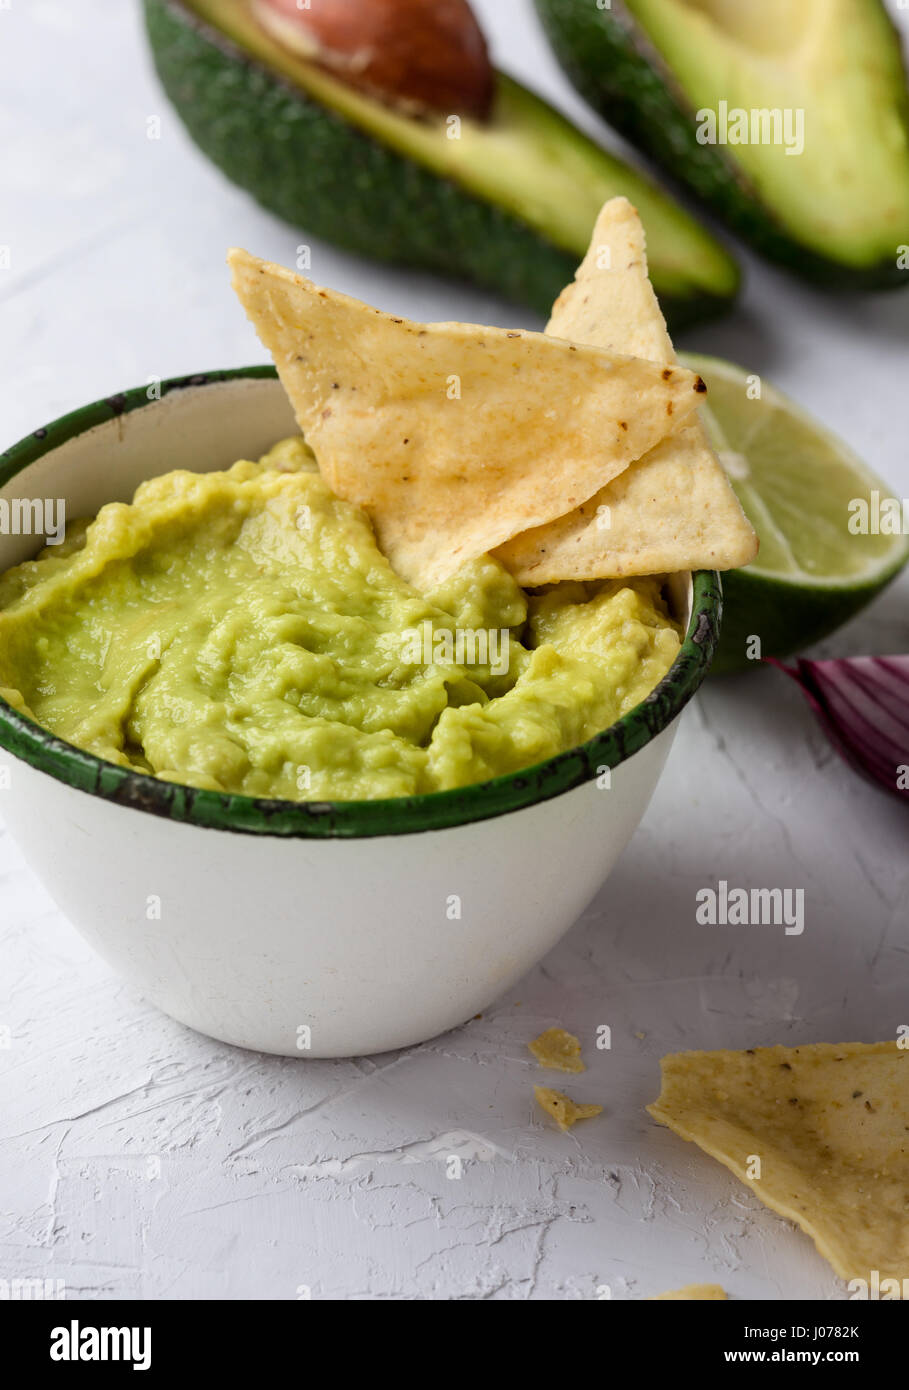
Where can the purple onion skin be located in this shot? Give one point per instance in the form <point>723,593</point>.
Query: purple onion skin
<point>862,703</point>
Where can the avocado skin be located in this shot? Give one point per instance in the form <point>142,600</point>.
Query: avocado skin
<point>613,65</point>
<point>325,175</point>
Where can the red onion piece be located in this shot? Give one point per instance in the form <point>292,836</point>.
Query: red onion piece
<point>862,702</point>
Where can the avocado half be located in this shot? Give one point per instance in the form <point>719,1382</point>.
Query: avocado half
<point>510,204</point>
<point>836,213</point>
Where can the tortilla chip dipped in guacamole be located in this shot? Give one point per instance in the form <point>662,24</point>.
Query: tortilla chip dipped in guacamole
<point>454,437</point>
<point>818,1133</point>
<point>241,631</point>
<point>673,509</point>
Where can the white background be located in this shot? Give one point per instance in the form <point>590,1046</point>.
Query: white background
<point>140,1160</point>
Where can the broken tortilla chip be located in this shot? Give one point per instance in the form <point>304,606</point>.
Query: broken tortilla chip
<point>558,1050</point>
<point>824,1130</point>
<point>562,1108</point>
<point>454,437</point>
<point>672,510</point>
<point>711,1292</point>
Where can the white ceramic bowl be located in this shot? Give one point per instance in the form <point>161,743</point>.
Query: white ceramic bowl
<point>313,930</point>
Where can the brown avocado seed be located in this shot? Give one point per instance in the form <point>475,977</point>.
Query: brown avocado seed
<point>420,55</point>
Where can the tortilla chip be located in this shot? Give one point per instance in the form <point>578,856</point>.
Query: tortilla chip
<point>830,1126</point>
<point>562,1108</point>
<point>558,1050</point>
<point>674,509</point>
<point>454,437</point>
<point>713,1292</point>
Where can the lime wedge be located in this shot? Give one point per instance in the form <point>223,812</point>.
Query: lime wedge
<point>807,496</point>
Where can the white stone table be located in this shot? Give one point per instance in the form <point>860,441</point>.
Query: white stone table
<point>140,1160</point>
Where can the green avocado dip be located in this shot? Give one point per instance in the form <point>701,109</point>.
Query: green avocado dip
<point>241,631</point>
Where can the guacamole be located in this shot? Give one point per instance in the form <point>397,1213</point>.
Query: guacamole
<point>241,631</point>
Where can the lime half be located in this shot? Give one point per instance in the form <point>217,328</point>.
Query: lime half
<point>830,530</point>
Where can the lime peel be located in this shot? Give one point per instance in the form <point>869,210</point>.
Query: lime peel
<point>796,486</point>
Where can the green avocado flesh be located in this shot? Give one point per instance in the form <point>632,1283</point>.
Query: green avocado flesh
<point>810,95</point>
<point>509,204</point>
<point>241,632</point>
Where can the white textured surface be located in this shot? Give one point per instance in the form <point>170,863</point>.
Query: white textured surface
<point>140,1160</point>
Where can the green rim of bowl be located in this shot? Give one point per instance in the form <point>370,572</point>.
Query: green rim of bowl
<point>343,819</point>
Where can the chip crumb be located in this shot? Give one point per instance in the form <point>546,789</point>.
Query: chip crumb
<point>558,1050</point>
<point>691,1291</point>
<point>562,1108</point>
